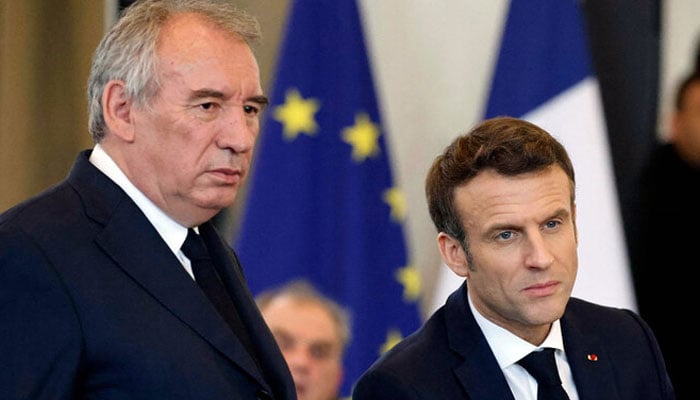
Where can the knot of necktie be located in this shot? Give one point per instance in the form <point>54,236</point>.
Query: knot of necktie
<point>194,247</point>
<point>542,366</point>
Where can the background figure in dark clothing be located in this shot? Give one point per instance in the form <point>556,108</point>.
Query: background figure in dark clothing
<point>667,241</point>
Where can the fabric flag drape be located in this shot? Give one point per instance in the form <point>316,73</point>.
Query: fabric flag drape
<point>544,75</point>
<point>322,203</point>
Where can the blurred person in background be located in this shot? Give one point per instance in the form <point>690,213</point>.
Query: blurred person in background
<point>665,241</point>
<point>313,333</point>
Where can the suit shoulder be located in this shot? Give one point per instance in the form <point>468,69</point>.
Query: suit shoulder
<point>423,356</point>
<point>595,310</point>
<point>597,319</point>
<point>37,207</point>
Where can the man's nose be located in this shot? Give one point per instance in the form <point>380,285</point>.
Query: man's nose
<point>239,131</point>
<point>538,253</point>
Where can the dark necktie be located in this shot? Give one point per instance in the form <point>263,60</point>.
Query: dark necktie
<point>209,281</point>
<point>541,365</point>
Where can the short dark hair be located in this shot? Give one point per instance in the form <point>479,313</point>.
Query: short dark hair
<point>507,145</point>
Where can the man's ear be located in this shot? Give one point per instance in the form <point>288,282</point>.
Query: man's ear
<point>453,254</point>
<point>573,218</point>
<point>117,107</point>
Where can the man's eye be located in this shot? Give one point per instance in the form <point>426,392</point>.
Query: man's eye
<point>206,106</point>
<point>552,224</point>
<point>252,110</point>
<point>505,235</point>
<point>320,352</point>
<point>284,342</point>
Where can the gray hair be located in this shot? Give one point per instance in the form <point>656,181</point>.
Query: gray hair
<point>128,51</point>
<point>303,291</point>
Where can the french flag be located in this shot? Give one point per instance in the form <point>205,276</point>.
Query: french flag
<point>544,74</point>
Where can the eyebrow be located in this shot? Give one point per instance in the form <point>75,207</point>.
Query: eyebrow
<point>562,213</point>
<point>261,100</point>
<point>201,93</point>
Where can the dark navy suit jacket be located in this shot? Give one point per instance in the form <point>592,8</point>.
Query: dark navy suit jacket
<point>94,305</point>
<point>449,358</point>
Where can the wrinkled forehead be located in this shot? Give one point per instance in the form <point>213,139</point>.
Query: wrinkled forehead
<point>493,196</point>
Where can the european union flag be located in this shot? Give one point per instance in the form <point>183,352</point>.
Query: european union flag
<point>322,203</point>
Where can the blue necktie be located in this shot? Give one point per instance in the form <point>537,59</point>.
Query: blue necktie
<point>541,365</point>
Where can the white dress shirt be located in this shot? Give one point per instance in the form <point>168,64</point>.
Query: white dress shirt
<point>509,349</point>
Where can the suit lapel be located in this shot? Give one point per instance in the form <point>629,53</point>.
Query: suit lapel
<point>232,275</point>
<point>132,242</point>
<point>590,364</point>
<point>480,375</point>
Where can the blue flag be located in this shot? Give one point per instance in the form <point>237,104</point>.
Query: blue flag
<point>543,53</point>
<point>322,203</point>
<point>544,74</point>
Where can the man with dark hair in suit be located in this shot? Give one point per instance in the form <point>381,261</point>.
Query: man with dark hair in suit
<point>502,198</point>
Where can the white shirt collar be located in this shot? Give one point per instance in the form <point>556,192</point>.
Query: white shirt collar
<point>506,346</point>
<point>172,233</point>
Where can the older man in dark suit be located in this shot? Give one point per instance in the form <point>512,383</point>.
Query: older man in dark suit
<point>97,299</point>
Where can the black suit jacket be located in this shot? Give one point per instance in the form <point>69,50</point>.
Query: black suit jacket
<point>94,305</point>
<point>449,358</point>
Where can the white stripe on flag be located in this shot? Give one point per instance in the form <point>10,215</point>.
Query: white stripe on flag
<point>576,118</point>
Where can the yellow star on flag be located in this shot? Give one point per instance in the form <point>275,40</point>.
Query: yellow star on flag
<point>297,115</point>
<point>397,201</point>
<point>409,277</point>
<point>392,337</point>
<point>362,137</point>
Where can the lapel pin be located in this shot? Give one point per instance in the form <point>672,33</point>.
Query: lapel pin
<point>592,357</point>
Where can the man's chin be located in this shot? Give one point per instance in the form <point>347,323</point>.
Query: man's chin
<point>217,199</point>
